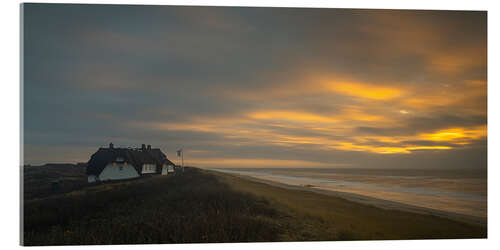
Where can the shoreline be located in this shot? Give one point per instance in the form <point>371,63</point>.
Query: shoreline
<point>367,200</point>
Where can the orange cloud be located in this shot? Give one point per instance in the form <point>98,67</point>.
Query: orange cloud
<point>427,147</point>
<point>456,134</point>
<point>349,146</point>
<point>476,82</point>
<point>255,163</point>
<point>346,115</point>
<point>454,62</point>
<point>426,101</point>
<point>275,127</point>
<point>367,91</point>
<point>291,116</point>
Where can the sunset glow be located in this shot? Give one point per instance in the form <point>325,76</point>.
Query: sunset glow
<point>456,134</point>
<point>239,87</point>
<point>366,91</point>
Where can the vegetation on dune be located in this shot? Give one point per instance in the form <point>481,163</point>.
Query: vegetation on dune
<point>314,216</point>
<point>192,207</point>
<point>204,206</point>
<point>38,179</point>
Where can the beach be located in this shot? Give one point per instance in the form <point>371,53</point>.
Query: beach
<point>467,204</point>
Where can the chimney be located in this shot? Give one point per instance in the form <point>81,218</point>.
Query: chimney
<point>143,147</point>
<point>149,147</point>
<point>111,145</point>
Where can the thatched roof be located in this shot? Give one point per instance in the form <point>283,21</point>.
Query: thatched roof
<point>137,157</point>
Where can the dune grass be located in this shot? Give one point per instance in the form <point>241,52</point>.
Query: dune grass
<point>205,206</point>
<point>192,207</point>
<point>316,216</point>
<point>37,179</point>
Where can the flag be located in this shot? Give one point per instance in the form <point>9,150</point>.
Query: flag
<point>179,152</point>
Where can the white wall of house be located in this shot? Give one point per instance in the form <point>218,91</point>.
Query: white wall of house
<point>171,168</point>
<point>92,178</point>
<point>164,169</point>
<point>118,171</point>
<point>148,168</point>
<point>167,169</point>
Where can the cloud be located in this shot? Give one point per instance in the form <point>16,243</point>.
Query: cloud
<point>259,163</point>
<point>375,92</point>
<point>274,86</point>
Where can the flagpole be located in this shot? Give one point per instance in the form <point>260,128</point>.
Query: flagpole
<point>180,153</point>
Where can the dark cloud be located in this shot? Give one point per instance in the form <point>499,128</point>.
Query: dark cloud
<point>254,83</point>
<point>420,124</point>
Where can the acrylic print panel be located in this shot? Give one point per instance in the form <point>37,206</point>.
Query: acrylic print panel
<point>175,124</point>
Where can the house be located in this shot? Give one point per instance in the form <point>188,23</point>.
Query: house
<point>127,163</point>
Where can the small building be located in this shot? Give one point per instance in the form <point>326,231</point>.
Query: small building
<point>127,163</point>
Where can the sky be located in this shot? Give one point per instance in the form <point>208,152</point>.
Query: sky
<point>257,87</point>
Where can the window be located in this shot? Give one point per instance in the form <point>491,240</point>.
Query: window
<point>148,168</point>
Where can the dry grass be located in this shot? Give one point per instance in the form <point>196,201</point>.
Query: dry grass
<point>204,206</point>
<point>192,207</point>
<point>322,217</point>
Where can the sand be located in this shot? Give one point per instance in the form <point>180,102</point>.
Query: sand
<point>380,203</point>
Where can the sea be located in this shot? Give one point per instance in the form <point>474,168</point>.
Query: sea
<point>461,191</point>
